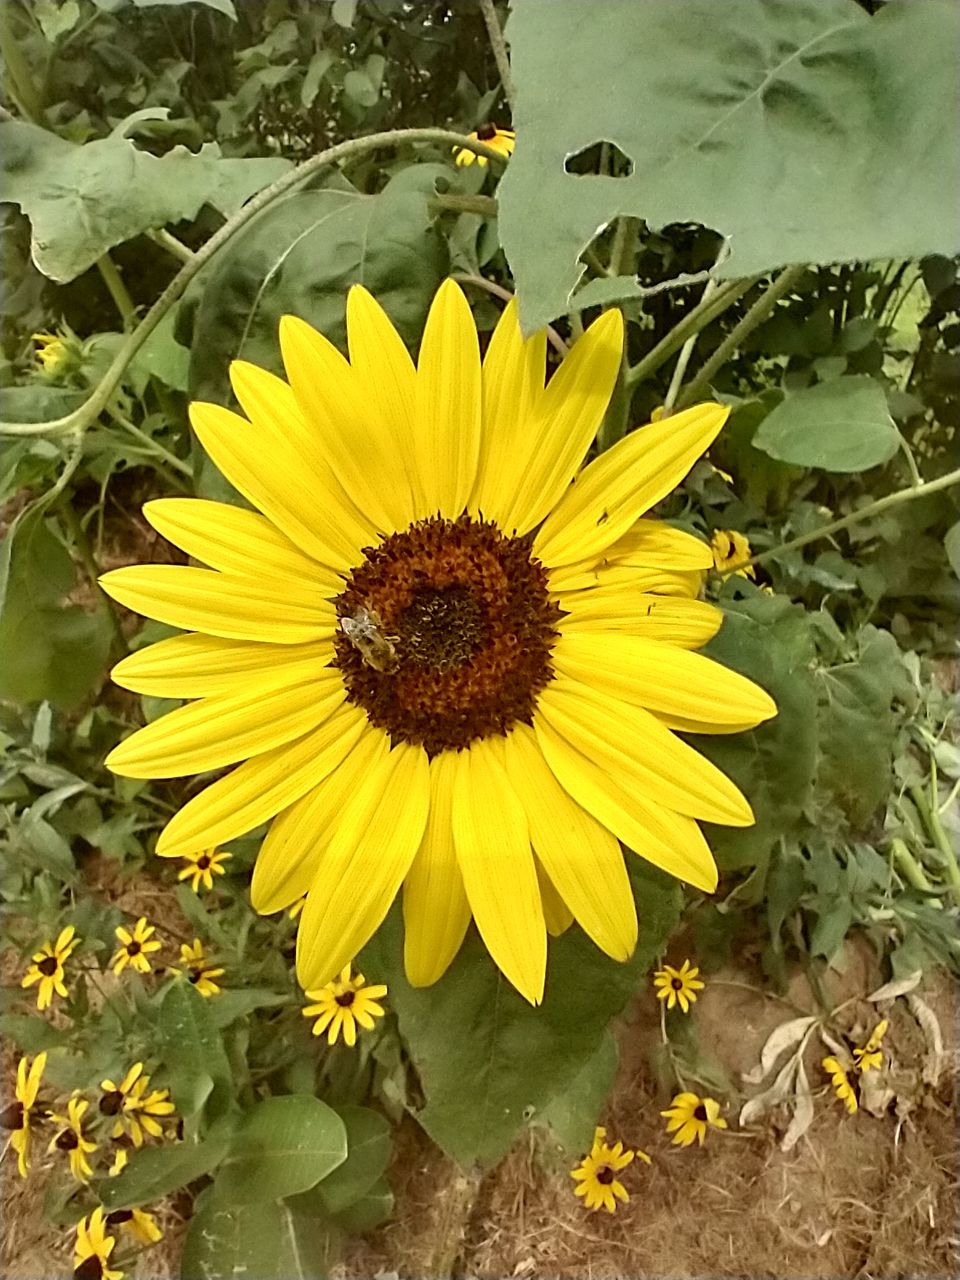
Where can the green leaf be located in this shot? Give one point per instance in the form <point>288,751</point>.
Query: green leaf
<point>280,1147</point>
<point>488,1061</point>
<point>153,1172</point>
<point>761,120</point>
<point>840,425</point>
<point>571,1116</point>
<point>372,1208</point>
<point>369,1140</point>
<point>231,1005</point>
<point>951,543</point>
<point>31,1034</point>
<point>258,1240</point>
<point>192,1047</point>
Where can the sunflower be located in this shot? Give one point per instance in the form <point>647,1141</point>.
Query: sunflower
<point>341,1005</point>
<point>138,1222</point>
<point>689,1117</point>
<point>199,970</point>
<point>136,1107</point>
<point>203,866</point>
<point>870,1057</point>
<point>445,666</point>
<point>841,1085</point>
<point>91,1255</point>
<point>501,140</point>
<point>16,1117</point>
<point>52,352</point>
<point>596,1174</point>
<point>48,967</point>
<point>730,549</point>
<point>135,947</point>
<point>72,1138</point>
<point>678,986</point>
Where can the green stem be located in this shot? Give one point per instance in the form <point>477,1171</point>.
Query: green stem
<point>754,317</point>
<point>118,290</point>
<point>173,246</point>
<point>485,206</point>
<point>498,291</point>
<point>93,406</point>
<point>909,867</point>
<point>152,446</point>
<point>615,420</point>
<point>21,86</point>
<point>864,513</point>
<point>499,47</point>
<point>935,829</point>
<point>686,351</point>
<point>701,315</point>
<point>912,467</point>
<point>92,569</point>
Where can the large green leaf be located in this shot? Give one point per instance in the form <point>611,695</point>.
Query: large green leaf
<point>488,1061</point>
<point>83,200</point>
<point>197,1065</point>
<point>280,1147</point>
<point>153,1172</point>
<point>571,1116</point>
<point>368,1152</point>
<point>803,130</point>
<point>840,425</point>
<point>257,1241</point>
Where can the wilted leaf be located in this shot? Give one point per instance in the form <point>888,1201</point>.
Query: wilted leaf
<point>781,1089</point>
<point>802,1117</point>
<point>780,1039</point>
<point>899,987</point>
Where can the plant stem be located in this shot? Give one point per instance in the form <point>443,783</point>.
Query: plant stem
<point>92,569</point>
<point>686,351</point>
<point>909,867</point>
<point>21,86</point>
<point>152,446</point>
<point>93,406</point>
<point>935,829</point>
<point>173,246</point>
<point>505,295</point>
<point>485,206</point>
<point>912,467</point>
<point>873,509</point>
<point>754,317</point>
<point>701,315</point>
<point>499,47</point>
<point>118,290</point>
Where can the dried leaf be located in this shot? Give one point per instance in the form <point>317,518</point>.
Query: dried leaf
<point>782,1038</point>
<point>778,1092</point>
<point>900,987</point>
<point>875,1094</point>
<point>837,1048</point>
<point>930,1026</point>
<point>802,1117</point>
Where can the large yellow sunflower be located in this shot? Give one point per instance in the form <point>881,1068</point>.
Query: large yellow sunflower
<point>448,661</point>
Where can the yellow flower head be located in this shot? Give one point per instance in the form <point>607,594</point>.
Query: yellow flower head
<point>870,1057</point>
<point>841,1085</point>
<point>596,1174</point>
<point>141,1225</point>
<point>202,867</point>
<point>72,1139</point>
<point>501,140</point>
<point>341,1005</point>
<point>689,1118</point>
<point>16,1117</point>
<point>731,549</point>
<point>47,968</point>
<point>678,986</point>
<point>135,947</point>
<point>434,651</point>
<point>198,968</point>
<point>52,352</point>
<point>94,1245</point>
<point>137,1108</point>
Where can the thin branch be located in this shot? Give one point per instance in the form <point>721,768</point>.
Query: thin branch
<point>173,246</point>
<point>686,351</point>
<point>693,322</point>
<point>505,295</point>
<point>499,47</point>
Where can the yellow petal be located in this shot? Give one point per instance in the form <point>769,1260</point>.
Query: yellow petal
<point>262,787</point>
<point>226,728</point>
<point>448,403</point>
<point>687,623</point>
<point>435,908</point>
<point>569,413</point>
<point>667,839</point>
<point>290,854</point>
<point>362,868</point>
<point>357,442</point>
<point>639,752</point>
<point>663,678</point>
<point>513,374</point>
<point>601,576</point>
<point>196,666</point>
<point>222,605</point>
<point>557,916</point>
<point>492,841</point>
<point>266,460</point>
<point>623,483</point>
<point>237,542</point>
<point>581,857</point>
<point>649,544</point>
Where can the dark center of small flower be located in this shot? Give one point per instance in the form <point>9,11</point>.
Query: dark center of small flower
<point>700,1112</point>
<point>605,1175</point>
<point>346,999</point>
<point>196,975</point>
<point>486,131</point>
<point>677,984</point>
<point>203,862</point>
<point>48,966</point>
<point>11,1117</point>
<point>89,1269</point>
<point>119,1217</point>
<point>67,1140</point>
<point>111,1103</point>
<point>134,948</point>
<point>446,633</point>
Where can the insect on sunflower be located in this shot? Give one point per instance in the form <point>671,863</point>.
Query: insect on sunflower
<point>17,1116</point>
<point>341,1006</point>
<point>48,967</point>
<point>509,716</point>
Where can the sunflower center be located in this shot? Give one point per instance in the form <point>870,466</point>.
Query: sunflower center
<point>203,862</point>
<point>67,1141</point>
<point>605,1175</point>
<point>48,966</point>
<point>445,633</point>
<point>346,999</point>
<point>677,984</point>
<point>700,1112</point>
<point>133,948</point>
<point>111,1103</point>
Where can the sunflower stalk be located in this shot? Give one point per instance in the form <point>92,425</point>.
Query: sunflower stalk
<point>501,57</point>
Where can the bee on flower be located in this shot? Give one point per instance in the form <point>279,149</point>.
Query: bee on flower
<point>198,970</point>
<point>91,1255</point>
<point>202,867</point>
<point>870,1056</point>
<point>678,986</point>
<point>48,967</point>
<point>72,1138</point>
<point>17,1116</point>
<point>136,946</point>
<point>689,1117</point>
<point>730,550</point>
<point>343,1004</point>
<point>841,1084</point>
<point>502,141</point>
<point>597,1174</point>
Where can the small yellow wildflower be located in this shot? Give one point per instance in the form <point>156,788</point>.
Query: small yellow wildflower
<point>841,1085</point>
<point>870,1057</point>
<point>501,140</point>
<point>138,1222</point>
<point>121,1155</point>
<point>72,1138</point>
<point>343,1003</point>
<point>596,1174</point>
<point>678,986</point>
<point>689,1117</point>
<point>197,966</point>
<point>730,549</point>
<point>48,967</point>
<point>202,867</point>
<point>135,948</point>
<point>52,352</point>
<point>94,1246</point>
<point>16,1117</point>
<point>136,1107</point>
